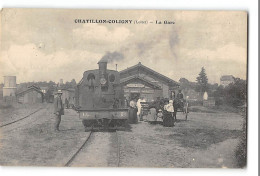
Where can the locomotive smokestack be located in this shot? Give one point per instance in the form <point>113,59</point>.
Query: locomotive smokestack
<point>103,74</point>
<point>102,66</point>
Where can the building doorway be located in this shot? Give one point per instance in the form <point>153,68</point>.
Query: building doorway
<point>134,95</point>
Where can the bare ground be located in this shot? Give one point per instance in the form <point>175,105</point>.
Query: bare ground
<point>205,140</point>
<point>33,141</point>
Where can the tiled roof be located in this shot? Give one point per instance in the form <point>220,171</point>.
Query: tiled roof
<point>227,78</point>
<point>30,88</point>
<point>139,65</point>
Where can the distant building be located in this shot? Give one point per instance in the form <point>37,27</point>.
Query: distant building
<point>1,91</point>
<point>141,81</point>
<point>10,87</point>
<point>49,96</point>
<point>31,95</point>
<point>44,89</point>
<point>61,82</point>
<point>69,94</point>
<point>225,80</point>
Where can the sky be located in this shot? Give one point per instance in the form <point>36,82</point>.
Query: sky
<point>46,44</point>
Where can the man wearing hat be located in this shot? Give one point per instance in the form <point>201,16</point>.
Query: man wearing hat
<point>58,109</point>
<point>180,100</point>
<point>180,95</point>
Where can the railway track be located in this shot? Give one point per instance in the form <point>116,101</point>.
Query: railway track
<point>20,118</point>
<point>83,146</point>
<point>118,149</point>
<point>78,151</point>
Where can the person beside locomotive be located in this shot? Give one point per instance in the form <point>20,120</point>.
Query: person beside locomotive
<point>58,110</point>
<point>133,111</point>
<point>140,110</point>
<point>66,103</point>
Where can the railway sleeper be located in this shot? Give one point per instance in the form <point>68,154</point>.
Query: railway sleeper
<point>104,124</point>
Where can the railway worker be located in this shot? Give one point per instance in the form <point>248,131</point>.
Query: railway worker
<point>58,110</point>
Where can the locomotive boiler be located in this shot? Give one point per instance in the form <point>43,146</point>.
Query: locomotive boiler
<point>100,99</point>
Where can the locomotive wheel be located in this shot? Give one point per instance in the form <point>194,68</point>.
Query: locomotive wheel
<point>88,124</point>
<point>118,124</point>
<point>105,123</point>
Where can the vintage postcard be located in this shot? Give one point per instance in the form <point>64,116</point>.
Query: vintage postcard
<point>123,88</point>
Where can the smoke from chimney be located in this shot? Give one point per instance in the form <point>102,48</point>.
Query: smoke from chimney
<point>111,57</point>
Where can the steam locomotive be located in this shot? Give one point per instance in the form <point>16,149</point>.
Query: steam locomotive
<point>100,99</point>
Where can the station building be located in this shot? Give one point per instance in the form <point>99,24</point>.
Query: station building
<point>142,81</point>
<point>225,80</point>
<point>31,95</point>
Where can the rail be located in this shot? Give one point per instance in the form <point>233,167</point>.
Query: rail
<point>20,118</point>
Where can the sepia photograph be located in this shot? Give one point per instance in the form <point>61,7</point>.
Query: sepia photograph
<point>123,88</point>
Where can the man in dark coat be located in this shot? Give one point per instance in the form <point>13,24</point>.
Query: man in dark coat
<point>58,110</point>
<point>180,95</point>
<point>67,103</point>
<point>180,100</point>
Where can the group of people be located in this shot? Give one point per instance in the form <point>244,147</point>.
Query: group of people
<point>164,109</point>
<point>160,110</point>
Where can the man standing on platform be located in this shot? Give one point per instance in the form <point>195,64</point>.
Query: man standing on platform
<point>58,110</point>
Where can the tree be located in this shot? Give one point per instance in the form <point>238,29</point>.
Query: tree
<point>236,93</point>
<point>184,81</point>
<point>73,83</point>
<point>202,81</point>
